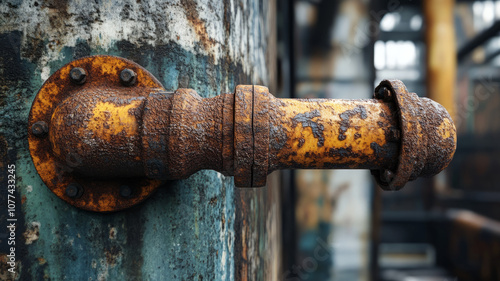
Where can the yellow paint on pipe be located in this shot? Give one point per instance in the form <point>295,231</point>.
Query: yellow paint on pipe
<point>86,126</point>
<point>335,133</point>
<point>109,120</point>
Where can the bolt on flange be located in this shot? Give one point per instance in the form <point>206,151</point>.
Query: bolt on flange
<point>125,191</point>
<point>78,75</point>
<point>128,77</point>
<point>74,190</point>
<point>39,128</point>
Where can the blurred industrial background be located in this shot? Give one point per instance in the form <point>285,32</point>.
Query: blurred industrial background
<point>337,225</point>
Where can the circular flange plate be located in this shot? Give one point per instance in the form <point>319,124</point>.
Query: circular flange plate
<point>100,195</point>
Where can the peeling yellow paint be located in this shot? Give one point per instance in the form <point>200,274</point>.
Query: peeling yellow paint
<point>109,119</point>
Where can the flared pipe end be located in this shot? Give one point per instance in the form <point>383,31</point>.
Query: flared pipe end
<point>441,138</point>
<point>428,136</point>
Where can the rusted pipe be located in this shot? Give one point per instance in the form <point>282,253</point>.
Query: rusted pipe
<point>334,134</point>
<point>115,130</point>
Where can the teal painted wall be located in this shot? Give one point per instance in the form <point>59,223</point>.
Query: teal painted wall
<point>202,228</point>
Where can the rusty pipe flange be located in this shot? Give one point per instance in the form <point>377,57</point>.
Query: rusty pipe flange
<point>260,167</point>
<point>228,135</point>
<point>74,82</point>
<point>243,135</point>
<point>428,136</point>
<point>251,135</point>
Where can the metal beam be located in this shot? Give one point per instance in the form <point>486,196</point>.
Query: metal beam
<point>478,40</point>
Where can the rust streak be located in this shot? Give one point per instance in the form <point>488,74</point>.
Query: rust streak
<point>190,7</point>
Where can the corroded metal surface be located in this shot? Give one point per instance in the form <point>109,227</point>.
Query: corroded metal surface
<point>191,229</point>
<point>332,134</point>
<point>186,141</point>
<point>428,136</point>
<point>260,166</point>
<point>243,135</point>
<point>93,129</point>
<point>105,129</point>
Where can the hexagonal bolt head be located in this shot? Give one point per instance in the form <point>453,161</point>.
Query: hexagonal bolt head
<point>387,176</point>
<point>128,77</point>
<point>78,75</point>
<point>125,191</point>
<point>384,94</point>
<point>40,128</point>
<point>74,190</point>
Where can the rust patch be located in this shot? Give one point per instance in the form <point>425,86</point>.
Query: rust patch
<point>190,7</point>
<point>277,137</point>
<point>387,150</point>
<point>342,152</point>
<point>213,201</point>
<point>346,115</point>
<point>305,119</point>
<point>32,233</point>
<point>5,265</point>
<point>112,255</point>
<point>112,233</point>
<point>301,142</point>
<point>41,261</point>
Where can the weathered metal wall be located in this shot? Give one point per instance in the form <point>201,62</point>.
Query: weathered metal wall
<point>201,228</point>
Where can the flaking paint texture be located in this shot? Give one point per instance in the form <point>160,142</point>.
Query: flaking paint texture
<point>201,228</point>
